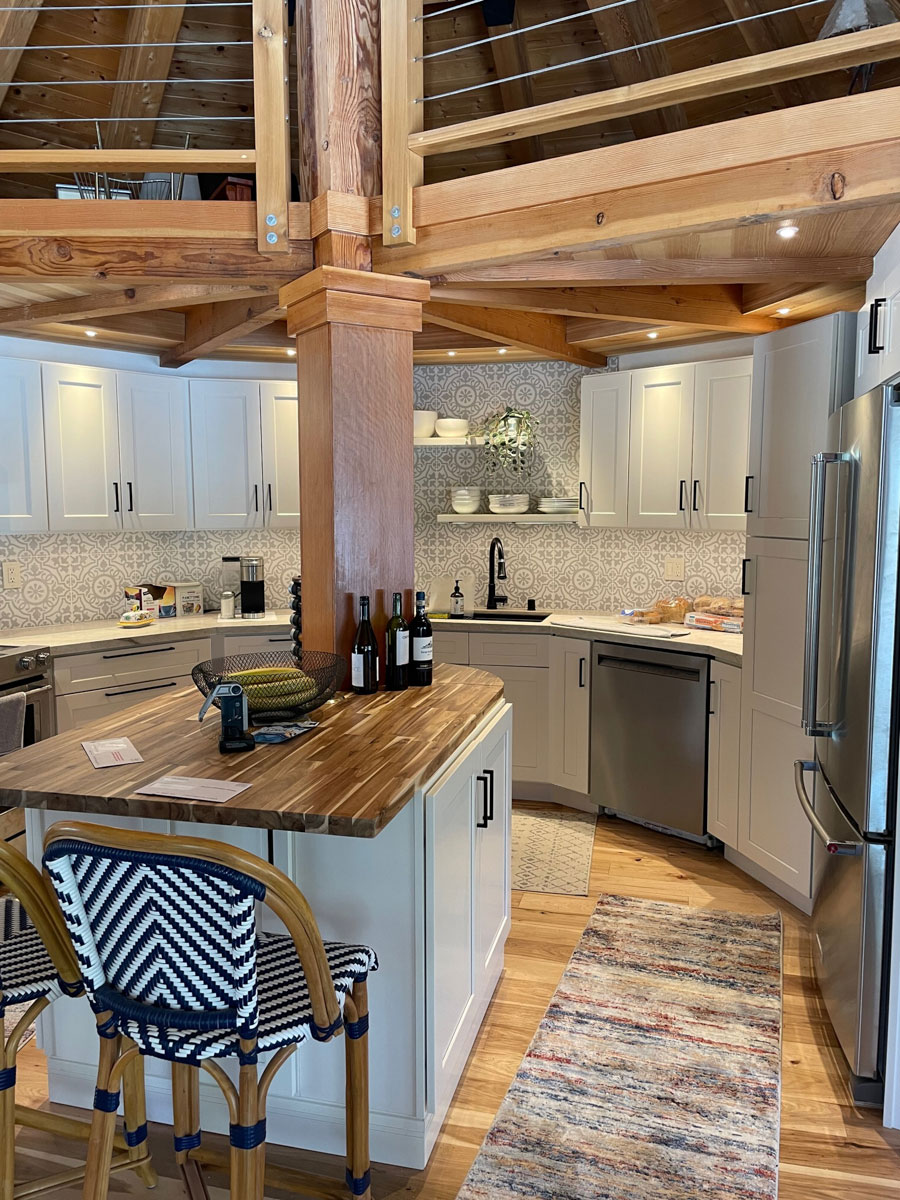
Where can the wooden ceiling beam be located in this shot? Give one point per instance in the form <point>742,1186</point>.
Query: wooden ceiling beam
<point>107,304</point>
<point>125,261</point>
<point>210,219</point>
<point>15,30</point>
<point>435,337</point>
<point>510,60</point>
<point>150,331</point>
<point>760,297</point>
<point>142,59</point>
<point>623,27</point>
<point>208,327</point>
<point>716,307</point>
<point>568,271</point>
<point>815,300</point>
<point>543,333</point>
<point>603,337</point>
<point>701,83</point>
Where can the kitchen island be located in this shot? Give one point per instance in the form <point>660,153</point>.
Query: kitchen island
<point>380,816</point>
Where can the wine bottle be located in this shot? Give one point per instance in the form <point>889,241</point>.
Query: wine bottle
<point>422,646</point>
<point>396,674</point>
<point>364,656</point>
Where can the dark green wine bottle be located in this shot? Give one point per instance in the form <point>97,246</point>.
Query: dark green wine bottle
<point>396,649</point>
<point>364,656</point>
<point>422,646</point>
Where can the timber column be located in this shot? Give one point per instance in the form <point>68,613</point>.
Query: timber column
<point>354,333</point>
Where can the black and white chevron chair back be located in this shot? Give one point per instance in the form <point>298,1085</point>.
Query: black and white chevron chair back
<point>162,939</point>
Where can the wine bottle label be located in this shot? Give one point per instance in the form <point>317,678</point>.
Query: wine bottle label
<point>402,647</point>
<point>356,670</point>
<point>423,649</point>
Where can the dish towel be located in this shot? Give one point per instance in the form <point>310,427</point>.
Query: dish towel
<point>12,722</point>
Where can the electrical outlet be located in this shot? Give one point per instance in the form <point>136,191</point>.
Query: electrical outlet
<point>674,569</point>
<point>12,573</point>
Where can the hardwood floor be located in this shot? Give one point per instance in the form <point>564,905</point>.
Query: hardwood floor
<point>829,1150</point>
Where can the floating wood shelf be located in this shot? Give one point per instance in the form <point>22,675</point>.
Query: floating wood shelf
<point>469,440</point>
<point>507,518</point>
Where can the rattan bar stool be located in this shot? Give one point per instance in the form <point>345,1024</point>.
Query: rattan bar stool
<point>168,947</point>
<point>37,965</point>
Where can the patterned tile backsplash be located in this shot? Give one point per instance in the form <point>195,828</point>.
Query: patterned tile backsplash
<point>80,576</point>
<point>560,566</point>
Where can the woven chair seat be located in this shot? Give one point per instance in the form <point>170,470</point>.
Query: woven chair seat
<point>285,1011</point>
<point>26,971</point>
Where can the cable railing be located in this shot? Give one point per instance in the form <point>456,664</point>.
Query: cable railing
<point>118,166</point>
<point>406,143</point>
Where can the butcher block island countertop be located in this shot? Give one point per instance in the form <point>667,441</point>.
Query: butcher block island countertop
<point>350,776</point>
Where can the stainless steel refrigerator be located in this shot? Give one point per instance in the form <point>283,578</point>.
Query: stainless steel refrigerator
<point>848,785</point>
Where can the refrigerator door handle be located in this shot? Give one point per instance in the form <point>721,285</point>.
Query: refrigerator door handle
<point>808,718</point>
<point>832,845</point>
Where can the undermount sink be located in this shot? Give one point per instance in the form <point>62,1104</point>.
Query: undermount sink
<point>508,614</point>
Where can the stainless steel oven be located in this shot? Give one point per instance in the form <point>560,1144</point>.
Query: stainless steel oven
<point>28,669</point>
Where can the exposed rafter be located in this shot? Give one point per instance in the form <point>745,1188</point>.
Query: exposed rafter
<point>211,326</point>
<point>771,33</point>
<point>716,307</point>
<point>112,303</point>
<point>15,30</point>
<point>509,61</point>
<point>141,59</point>
<point>542,332</point>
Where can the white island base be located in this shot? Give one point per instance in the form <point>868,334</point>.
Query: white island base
<point>430,893</point>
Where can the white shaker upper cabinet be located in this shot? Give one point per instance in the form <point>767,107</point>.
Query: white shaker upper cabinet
<point>154,447</point>
<point>280,454</point>
<point>23,479</point>
<point>82,444</point>
<point>659,476</point>
<point>226,453</point>
<point>721,444</point>
<point>799,375</point>
<point>603,484</point>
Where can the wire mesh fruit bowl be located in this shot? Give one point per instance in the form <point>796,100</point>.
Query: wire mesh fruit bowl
<point>279,685</point>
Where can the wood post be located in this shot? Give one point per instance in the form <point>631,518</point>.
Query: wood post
<point>402,114</point>
<point>271,124</point>
<point>354,334</point>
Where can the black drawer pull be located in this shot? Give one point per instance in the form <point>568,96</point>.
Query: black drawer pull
<point>490,775</point>
<point>483,823</point>
<point>133,653</point>
<point>581,663</point>
<point>150,687</point>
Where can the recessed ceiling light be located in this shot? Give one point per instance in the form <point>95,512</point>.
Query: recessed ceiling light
<point>291,353</point>
<point>787,230</point>
<point>451,354</point>
<point>783,312</point>
<point>90,333</point>
<point>652,334</point>
<point>502,350</point>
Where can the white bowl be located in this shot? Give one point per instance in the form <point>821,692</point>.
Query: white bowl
<point>465,504</point>
<point>423,422</point>
<point>508,504</point>
<point>465,491</point>
<point>451,427</point>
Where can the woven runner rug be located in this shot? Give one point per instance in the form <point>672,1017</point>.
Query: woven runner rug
<point>551,851</point>
<point>655,1073</point>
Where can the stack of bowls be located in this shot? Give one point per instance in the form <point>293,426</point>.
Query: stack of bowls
<point>465,499</point>
<point>509,502</point>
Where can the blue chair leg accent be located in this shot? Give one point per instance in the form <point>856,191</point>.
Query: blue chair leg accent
<point>248,1137</point>
<point>136,1137</point>
<point>7,1079</point>
<point>358,1187</point>
<point>107,1102</point>
<point>190,1142</point>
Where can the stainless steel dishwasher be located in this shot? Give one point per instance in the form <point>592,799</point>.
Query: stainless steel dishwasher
<point>649,735</point>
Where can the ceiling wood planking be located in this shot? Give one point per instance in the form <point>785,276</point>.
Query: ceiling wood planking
<point>15,30</point>
<point>153,23</point>
<point>113,303</point>
<point>541,332</point>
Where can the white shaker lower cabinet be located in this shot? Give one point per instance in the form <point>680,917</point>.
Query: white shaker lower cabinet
<point>723,774</point>
<point>570,713</point>
<point>467,906</point>
<point>23,486</point>
<point>521,660</point>
<point>774,835</point>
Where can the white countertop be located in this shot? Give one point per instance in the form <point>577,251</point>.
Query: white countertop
<point>81,637</point>
<point>725,647</point>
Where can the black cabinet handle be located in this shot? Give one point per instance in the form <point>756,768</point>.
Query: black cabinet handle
<point>581,663</point>
<point>270,496</point>
<point>694,501</point>
<point>744,565</point>
<point>153,687</point>
<point>135,653</point>
<point>256,496</point>
<point>580,494</point>
<point>682,487</point>
<point>483,823</point>
<point>874,309</point>
<point>748,480</point>
<point>116,494</point>
<point>130,496</point>
<point>490,775</point>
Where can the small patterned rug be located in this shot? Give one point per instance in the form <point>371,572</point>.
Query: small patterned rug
<point>11,1018</point>
<point>656,1070</point>
<point>551,851</point>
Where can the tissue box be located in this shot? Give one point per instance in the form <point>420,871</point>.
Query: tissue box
<point>180,599</point>
<point>139,598</point>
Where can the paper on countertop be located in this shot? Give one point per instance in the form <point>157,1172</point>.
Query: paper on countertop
<point>183,787</point>
<point>112,752</point>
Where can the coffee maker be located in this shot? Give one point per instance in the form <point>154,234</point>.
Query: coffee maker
<point>253,588</point>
